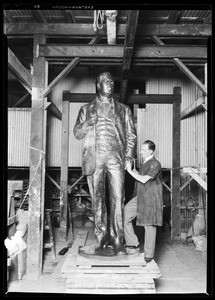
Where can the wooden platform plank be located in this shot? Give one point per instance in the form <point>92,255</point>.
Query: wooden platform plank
<point>114,284</point>
<point>70,260</point>
<point>109,291</point>
<point>109,278</point>
<point>105,261</point>
<point>115,270</point>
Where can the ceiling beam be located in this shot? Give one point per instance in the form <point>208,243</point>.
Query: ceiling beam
<point>132,21</point>
<point>50,29</point>
<point>131,98</point>
<point>19,70</point>
<point>115,51</point>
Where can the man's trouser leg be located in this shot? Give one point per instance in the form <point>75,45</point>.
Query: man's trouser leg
<point>96,183</point>
<point>116,188</point>
<point>130,212</point>
<point>149,241</point>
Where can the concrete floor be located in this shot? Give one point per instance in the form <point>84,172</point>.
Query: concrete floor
<point>182,266</point>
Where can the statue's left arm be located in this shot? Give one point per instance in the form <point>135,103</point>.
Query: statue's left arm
<point>131,136</point>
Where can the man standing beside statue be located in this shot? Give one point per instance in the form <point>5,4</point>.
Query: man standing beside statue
<point>109,143</point>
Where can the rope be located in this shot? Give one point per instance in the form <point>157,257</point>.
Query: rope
<point>98,14</point>
<point>42,156</point>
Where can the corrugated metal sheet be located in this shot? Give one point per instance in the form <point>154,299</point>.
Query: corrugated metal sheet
<point>155,121</point>
<point>19,124</point>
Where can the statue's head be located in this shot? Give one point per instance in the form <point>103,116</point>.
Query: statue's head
<point>105,83</point>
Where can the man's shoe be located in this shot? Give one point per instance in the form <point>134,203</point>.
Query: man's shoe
<point>147,259</point>
<point>132,249</point>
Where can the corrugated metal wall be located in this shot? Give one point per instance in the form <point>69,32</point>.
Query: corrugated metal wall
<point>19,125</point>
<point>154,122</point>
<point>81,80</point>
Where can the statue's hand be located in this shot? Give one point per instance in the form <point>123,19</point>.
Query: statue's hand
<point>92,120</point>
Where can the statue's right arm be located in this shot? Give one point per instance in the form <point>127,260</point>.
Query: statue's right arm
<point>82,124</point>
<point>81,127</point>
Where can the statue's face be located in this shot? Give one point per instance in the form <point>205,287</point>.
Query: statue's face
<point>106,86</point>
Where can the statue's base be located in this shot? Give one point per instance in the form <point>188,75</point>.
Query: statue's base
<point>117,274</point>
<point>107,253</point>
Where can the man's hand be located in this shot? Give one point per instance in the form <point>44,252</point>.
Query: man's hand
<point>128,166</point>
<point>128,159</point>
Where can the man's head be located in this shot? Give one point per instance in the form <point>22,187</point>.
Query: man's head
<point>147,149</point>
<point>105,84</point>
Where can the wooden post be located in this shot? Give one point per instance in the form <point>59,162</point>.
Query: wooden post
<point>37,166</point>
<point>175,212</point>
<point>64,172</point>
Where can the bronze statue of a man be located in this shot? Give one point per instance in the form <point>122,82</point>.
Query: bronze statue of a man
<point>109,141</point>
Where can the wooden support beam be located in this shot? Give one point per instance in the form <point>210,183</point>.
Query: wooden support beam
<point>157,40</point>
<point>196,170</point>
<point>71,12</point>
<point>193,173</point>
<point>37,167</point>
<point>74,184</point>
<point>193,108</point>
<point>53,181</point>
<point>175,212</point>
<point>63,74</point>
<point>67,69</point>
<point>166,186</point>
<point>186,71</point>
<point>21,100</point>
<point>95,40</point>
<point>185,184</point>
<point>39,15</point>
<point>131,28</point>
<point>131,98</point>
<point>69,18</point>
<point>116,51</point>
<point>173,17</point>
<point>62,29</point>
<point>53,109</point>
<point>111,26</point>
<point>190,75</point>
<point>19,70</point>
<point>8,16</point>
<point>12,220</point>
<point>63,231</point>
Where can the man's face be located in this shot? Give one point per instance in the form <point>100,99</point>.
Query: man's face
<point>145,151</point>
<point>106,86</point>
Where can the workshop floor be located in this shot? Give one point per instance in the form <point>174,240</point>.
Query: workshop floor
<point>182,266</point>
